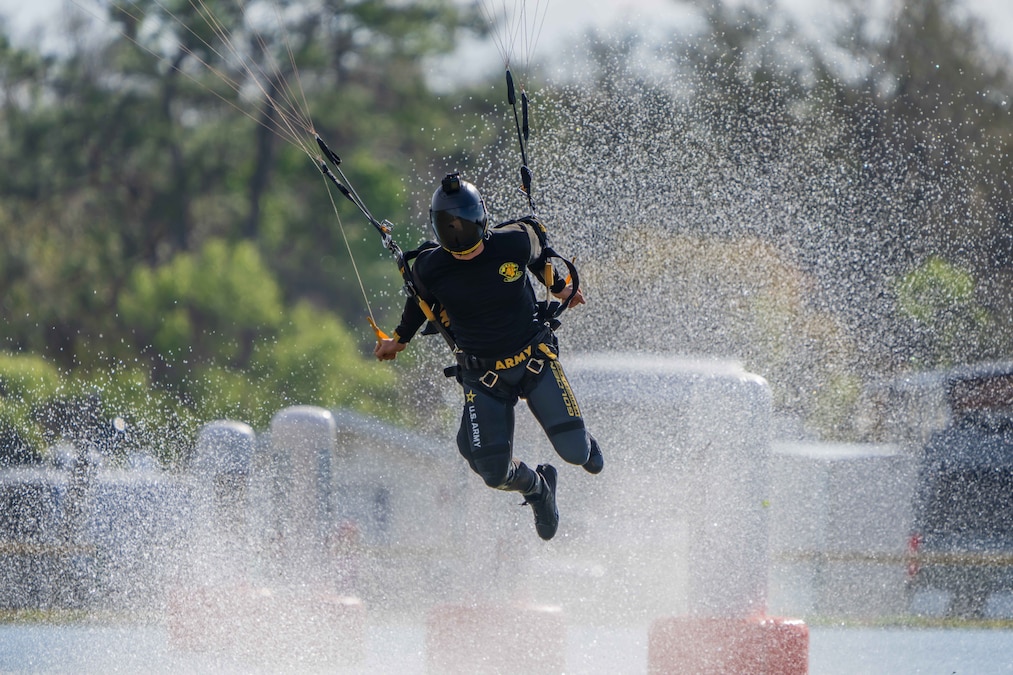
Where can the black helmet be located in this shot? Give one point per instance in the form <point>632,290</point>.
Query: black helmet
<point>458,215</point>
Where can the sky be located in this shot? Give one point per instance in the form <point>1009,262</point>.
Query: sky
<point>998,13</point>
<point>560,14</point>
<point>570,18</point>
<point>814,16</point>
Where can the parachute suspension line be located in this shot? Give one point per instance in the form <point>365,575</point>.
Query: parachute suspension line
<point>298,79</point>
<point>290,117</point>
<point>384,228</point>
<point>513,23</point>
<point>532,31</point>
<point>297,104</point>
<point>362,287</point>
<point>497,39</point>
<point>552,309</point>
<point>294,119</point>
<point>292,125</point>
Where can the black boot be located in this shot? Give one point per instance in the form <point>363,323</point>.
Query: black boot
<point>595,462</point>
<point>543,503</point>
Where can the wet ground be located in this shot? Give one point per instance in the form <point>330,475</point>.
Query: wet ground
<point>400,647</point>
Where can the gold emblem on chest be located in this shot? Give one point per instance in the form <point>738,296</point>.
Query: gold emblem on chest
<point>511,271</point>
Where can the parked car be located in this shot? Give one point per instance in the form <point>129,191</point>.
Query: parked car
<point>962,539</point>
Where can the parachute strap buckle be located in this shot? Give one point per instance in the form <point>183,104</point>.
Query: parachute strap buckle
<point>535,366</point>
<point>490,378</point>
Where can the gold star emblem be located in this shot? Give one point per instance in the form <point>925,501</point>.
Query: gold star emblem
<point>470,396</point>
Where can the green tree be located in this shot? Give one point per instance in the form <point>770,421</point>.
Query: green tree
<point>26,382</point>
<point>171,133</point>
<point>948,324</point>
<point>215,331</point>
<point>138,166</point>
<point>210,305</point>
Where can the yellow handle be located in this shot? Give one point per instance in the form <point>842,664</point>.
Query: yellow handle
<point>427,310</point>
<point>380,335</point>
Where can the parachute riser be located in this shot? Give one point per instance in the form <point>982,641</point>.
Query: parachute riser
<point>522,136</point>
<point>552,308</point>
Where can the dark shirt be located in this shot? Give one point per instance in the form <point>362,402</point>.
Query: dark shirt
<point>489,299</point>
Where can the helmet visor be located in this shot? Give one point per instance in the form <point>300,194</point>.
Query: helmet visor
<point>460,229</point>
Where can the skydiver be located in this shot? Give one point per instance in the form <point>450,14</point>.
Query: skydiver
<point>506,350</point>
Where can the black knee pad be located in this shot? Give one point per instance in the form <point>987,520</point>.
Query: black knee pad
<point>570,441</point>
<point>494,471</point>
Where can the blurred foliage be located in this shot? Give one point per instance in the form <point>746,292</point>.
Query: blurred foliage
<point>939,300</point>
<point>829,214</point>
<point>204,307</point>
<point>166,248</point>
<point>736,296</point>
<point>26,382</point>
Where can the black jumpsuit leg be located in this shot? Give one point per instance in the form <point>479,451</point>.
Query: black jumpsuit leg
<point>485,439</point>
<point>554,406</point>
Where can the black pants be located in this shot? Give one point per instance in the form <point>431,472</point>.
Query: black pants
<point>485,438</point>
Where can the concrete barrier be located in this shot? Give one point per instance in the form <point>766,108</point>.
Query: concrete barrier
<point>303,445</point>
<point>687,451</point>
<point>840,518</point>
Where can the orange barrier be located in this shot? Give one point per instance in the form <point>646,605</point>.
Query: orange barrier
<point>728,646</point>
<point>488,639</point>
